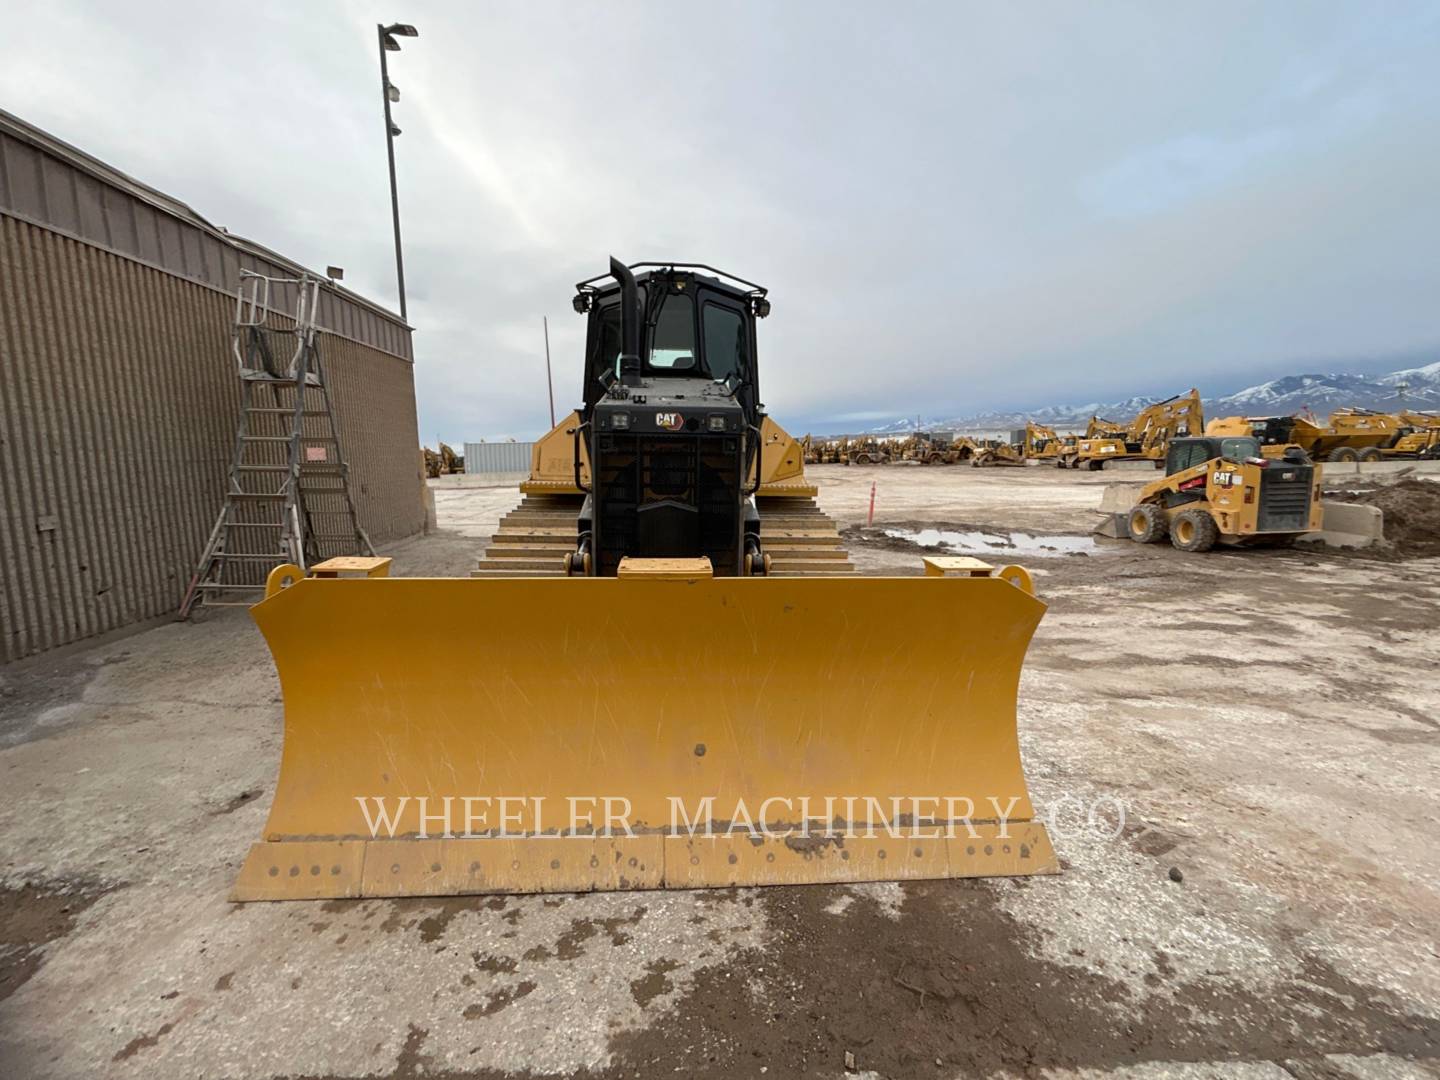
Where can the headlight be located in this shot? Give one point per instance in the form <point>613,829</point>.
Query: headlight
<point>620,421</point>
<point>717,423</point>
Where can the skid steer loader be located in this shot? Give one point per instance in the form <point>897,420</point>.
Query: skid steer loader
<point>669,714</point>
<point>1221,490</point>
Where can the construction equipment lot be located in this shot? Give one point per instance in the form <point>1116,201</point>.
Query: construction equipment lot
<point>1265,722</point>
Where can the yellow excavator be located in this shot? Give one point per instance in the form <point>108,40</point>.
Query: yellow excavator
<point>1041,442</point>
<point>655,701</point>
<point>443,463</point>
<point>1145,437</point>
<point>1097,428</point>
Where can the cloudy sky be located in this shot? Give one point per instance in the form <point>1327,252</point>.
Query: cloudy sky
<point>956,206</point>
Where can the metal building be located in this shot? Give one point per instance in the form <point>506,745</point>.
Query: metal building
<point>119,400</point>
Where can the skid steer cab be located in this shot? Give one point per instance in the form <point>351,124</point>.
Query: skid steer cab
<point>1221,490</point>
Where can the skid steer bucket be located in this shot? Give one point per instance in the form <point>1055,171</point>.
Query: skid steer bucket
<point>667,730</point>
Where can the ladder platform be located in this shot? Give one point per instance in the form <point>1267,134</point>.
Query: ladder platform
<point>955,566</point>
<point>353,566</point>
<point>250,375</point>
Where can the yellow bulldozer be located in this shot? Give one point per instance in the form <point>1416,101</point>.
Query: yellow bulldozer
<point>1221,490</point>
<point>652,690</point>
<point>1145,437</point>
<point>1350,435</point>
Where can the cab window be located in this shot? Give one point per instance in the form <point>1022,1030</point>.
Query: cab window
<point>672,348</point>
<point>1239,449</point>
<point>1186,455</point>
<point>606,344</point>
<point>724,342</point>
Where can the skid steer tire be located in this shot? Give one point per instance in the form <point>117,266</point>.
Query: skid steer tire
<point>1343,453</point>
<point>1148,524</point>
<point>1370,453</point>
<point>1194,531</point>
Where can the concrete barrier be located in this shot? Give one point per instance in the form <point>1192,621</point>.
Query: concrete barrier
<point>1119,497</point>
<point>1347,525</point>
<point>1335,469</point>
<point>1131,466</point>
<point>478,480</point>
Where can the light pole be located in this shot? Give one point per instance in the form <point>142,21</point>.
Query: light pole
<point>389,92</point>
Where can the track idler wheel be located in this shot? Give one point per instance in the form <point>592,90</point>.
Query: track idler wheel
<point>757,564</point>
<point>577,562</point>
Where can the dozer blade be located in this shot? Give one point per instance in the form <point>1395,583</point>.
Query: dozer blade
<point>448,736</point>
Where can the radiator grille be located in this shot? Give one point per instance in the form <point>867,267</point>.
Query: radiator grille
<point>1285,504</point>
<point>668,495</point>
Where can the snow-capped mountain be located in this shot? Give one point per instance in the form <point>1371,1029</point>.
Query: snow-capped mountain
<point>1416,389</point>
<point>1429,375</point>
<point>1319,393</point>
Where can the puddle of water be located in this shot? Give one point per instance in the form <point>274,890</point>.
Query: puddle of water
<point>982,543</point>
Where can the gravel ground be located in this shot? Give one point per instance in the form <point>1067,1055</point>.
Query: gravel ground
<point>1255,895</point>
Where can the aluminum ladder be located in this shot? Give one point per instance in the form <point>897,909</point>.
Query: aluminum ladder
<point>288,497</point>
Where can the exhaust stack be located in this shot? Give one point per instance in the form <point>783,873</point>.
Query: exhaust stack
<point>629,323</point>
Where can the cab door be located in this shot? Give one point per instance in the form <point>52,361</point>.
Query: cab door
<point>728,346</point>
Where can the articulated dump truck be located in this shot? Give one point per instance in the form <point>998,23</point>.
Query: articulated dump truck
<point>667,673</point>
<point>1351,435</point>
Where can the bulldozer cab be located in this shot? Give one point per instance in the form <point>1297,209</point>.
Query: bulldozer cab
<point>693,326</point>
<point>672,421</point>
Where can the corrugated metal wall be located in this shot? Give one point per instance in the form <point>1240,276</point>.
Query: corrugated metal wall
<point>497,457</point>
<point>118,407</point>
<point>52,184</point>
